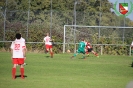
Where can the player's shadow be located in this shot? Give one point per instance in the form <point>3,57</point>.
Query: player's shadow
<point>132,64</point>
<point>81,58</point>
<point>47,56</point>
<point>18,76</point>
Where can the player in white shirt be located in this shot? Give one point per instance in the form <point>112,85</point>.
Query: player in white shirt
<point>18,51</point>
<point>131,47</point>
<point>23,40</point>
<point>48,44</point>
<point>131,44</point>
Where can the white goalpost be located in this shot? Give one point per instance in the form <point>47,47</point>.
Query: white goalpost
<point>73,33</point>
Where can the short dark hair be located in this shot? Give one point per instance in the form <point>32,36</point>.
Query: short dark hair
<point>82,39</point>
<point>18,35</point>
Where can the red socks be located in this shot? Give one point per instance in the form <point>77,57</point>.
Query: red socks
<point>96,54</point>
<point>22,72</point>
<point>13,73</point>
<point>87,52</point>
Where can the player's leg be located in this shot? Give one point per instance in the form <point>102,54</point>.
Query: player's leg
<point>21,62</point>
<point>22,71</point>
<point>84,52</point>
<point>89,50</point>
<point>15,62</point>
<point>84,57</point>
<point>95,53</point>
<point>51,51</point>
<point>14,71</point>
<point>131,50</point>
<point>75,54</point>
<point>46,48</point>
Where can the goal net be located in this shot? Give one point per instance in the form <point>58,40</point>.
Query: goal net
<point>96,35</point>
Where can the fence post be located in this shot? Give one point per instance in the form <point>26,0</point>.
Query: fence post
<point>64,41</point>
<point>130,51</point>
<point>101,50</point>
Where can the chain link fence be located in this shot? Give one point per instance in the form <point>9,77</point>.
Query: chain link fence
<point>17,21</point>
<point>111,36</point>
<point>33,26</point>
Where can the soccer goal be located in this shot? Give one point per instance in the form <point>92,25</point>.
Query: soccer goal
<point>97,35</point>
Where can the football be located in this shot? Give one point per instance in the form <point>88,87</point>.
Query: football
<point>68,51</point>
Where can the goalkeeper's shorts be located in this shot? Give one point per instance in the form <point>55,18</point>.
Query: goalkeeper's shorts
<point>90,49</point>
<point>81,51</point>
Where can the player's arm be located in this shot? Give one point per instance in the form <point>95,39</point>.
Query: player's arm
<point>24,53</point>
<point>24,49</point>
<point>25,45</point>
<point>11,50</point>
<point>11,53</point>
<point>51,40</point>
<point>43,40</point>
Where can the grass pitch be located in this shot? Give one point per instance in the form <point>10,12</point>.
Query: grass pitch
<point>63,72</point>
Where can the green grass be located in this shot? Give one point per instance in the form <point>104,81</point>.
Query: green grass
<point>63,72</point>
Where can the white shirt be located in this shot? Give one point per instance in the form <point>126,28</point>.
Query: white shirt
<point>18,46</point>
<point>132,43</point>
<point>22,39</point>
<point>47,40</point>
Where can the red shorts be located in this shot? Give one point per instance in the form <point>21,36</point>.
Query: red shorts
<point>18,60</point>
<point>48,46</point>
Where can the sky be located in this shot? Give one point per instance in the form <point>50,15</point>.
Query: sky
<point>130,16</point>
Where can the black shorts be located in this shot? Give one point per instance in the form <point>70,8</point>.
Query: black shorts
<point>90,49</point>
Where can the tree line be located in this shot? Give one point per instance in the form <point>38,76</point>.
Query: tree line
<point>34,18</point>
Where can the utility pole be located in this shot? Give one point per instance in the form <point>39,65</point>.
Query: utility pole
<point>124,28</point>
<point>4,21</point>
<point>75,14</point>
<point>28,20</point>
<point>51,14</point>
<point>100,20</point>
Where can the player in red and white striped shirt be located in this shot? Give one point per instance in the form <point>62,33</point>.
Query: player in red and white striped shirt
<point>18,51</point>
<point>90,49</point>
<point>48,44</point>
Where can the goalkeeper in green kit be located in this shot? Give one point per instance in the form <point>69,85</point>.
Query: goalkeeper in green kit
<point>81,49</point>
